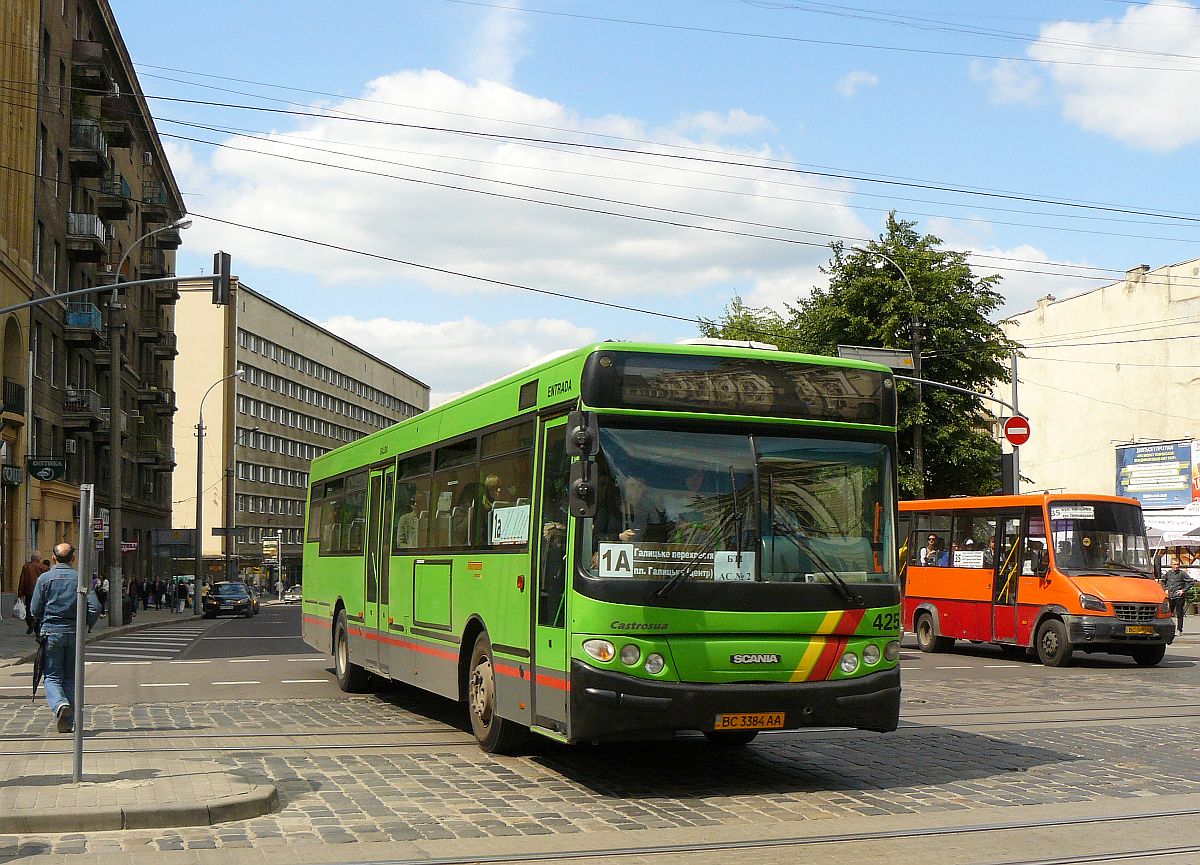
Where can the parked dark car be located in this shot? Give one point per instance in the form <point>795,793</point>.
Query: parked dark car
<point>228,599</point>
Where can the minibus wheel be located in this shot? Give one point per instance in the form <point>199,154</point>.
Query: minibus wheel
<point>1148,656</point>
<point>927,638</point>
<point>1053,648</point>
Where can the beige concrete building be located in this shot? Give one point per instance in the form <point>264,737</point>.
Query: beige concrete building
<point>305,391</point>
<point>1116,365</point>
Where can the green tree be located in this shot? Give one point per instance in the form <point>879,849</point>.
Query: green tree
<point>868,302</point>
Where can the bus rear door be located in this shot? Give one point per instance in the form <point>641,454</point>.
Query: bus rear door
<point>551,537</point>
<point>377,558</point>
<point>1006,577</point>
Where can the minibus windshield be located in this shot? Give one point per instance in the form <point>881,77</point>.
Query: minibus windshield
<point>1096,537</point>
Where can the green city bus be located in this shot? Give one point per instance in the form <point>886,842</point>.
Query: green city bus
<point>624,542</point>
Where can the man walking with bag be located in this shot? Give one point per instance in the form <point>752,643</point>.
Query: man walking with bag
<point>1177,582</point>
<point>54,605</point>
<point>29,577</point>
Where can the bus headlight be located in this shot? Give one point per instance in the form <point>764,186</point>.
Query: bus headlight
<point>849,662</point>
<point>601,650</point>
<point>1165,608</point>
<point>871,655</point>
<point>892,650</point>
<point>655,663</point>
<point>1091,602</point>
<point>630,654</point>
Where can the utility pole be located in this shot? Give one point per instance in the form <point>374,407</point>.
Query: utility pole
<point>116,592</point>
<point>1016,451</point>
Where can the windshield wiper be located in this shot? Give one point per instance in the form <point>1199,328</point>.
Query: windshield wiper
<point>801,543</point>
<point>707,550</point>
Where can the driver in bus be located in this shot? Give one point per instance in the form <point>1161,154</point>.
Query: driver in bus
<point>629,515</point>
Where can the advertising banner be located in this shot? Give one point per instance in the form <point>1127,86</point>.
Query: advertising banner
<point>1158,475</point>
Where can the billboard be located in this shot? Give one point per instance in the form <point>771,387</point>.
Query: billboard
<point>1159,474</point>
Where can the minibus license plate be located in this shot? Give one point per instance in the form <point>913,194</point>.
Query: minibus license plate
<point>1140,629</point>
<point>750,721</point>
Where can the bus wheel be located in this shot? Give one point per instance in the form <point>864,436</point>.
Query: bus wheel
<point>730,738</point>
<point>1053,649</point>
<point>350,676</point>
<point>495,735</point>
<point>1148,656</point>
<point>927,640</point>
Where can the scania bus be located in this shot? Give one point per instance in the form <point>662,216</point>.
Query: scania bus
<point>1052,574</point>
<point>623,542</point>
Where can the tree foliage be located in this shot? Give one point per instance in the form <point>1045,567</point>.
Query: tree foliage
<point>868,302</point>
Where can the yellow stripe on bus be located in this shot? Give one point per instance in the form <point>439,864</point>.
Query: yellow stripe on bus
<point>830,622</point>
<point>808,660</point>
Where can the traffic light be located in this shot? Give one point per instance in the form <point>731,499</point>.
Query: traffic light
<point>222,281</point>
<point>1006,474</point>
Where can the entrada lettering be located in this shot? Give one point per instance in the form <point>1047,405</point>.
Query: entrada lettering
<point>558,388</point>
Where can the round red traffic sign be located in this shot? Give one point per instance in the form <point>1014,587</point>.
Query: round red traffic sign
<point>1016,430</point>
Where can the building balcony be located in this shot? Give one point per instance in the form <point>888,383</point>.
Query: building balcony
<point>152,449</point>
<point>14,399</point>
<point>87,237</point>
<point>105,426</point>
<point>89,66</point>
<point>164,405</point>
<point>149,391</point>
<point>153,263</point>
<point>166,346</point>
<point>166,293</point>
<point>117,132</point>
<point>83,325</point>
<point>81,409</point>
<point>114,200</point>
<point>154,201</point>
<point>149,325</point>
<point>89,149</point>
<point>172,238</point>
<point>165,461</point>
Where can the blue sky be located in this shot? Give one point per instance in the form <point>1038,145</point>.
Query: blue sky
<point>777,115</point>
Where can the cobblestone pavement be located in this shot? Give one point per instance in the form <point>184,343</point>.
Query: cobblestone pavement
<point>451,790</point>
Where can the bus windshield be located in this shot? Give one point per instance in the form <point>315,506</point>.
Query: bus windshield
<point>740,508</point>
<point>1093,537</point>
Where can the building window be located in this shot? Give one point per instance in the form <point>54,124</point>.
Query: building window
<point>38,232</point>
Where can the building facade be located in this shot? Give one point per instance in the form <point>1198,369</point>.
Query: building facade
<point>305,391</point>
<point>99,182</point>
<point>1109,367</point>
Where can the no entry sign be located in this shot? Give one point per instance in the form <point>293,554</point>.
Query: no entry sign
<point>1016,430</point>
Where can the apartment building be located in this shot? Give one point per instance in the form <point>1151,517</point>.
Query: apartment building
<point>304,391</point>
<point>102,200</point>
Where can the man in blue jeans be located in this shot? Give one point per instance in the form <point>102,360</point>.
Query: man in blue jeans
<point>54,605</point>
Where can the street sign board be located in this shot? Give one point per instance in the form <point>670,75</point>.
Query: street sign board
<point>270,551</point>
<point>1016,430</point>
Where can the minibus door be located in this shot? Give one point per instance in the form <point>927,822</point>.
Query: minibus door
<point>376,559</point>
<point>1006,576</point>
<point>551,546</point>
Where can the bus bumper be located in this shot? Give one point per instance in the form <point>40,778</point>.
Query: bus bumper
<point>1084,631</point>
<point>607,705</point>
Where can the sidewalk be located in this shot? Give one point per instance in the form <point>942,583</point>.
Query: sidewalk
<point>17,647</point>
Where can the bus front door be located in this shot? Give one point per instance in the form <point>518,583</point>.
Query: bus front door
<point>1005,578</point>
<point>377,559</point>
<point>551,543</point>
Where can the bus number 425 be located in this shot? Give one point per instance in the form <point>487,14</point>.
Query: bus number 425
<point>887,622</point>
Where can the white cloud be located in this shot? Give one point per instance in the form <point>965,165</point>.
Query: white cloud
<point>850,83</point>
<point>568,250</point>
<point>496,48</point>
<point>1134,83</point>
<point>456,356</point>
<point>715,125</point>
<point>1011,81</point>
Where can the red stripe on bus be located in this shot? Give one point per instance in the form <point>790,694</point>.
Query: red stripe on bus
<point>552,682</point>
<point>317,620</point>
<point>829,656</point>
<point>849,622</point>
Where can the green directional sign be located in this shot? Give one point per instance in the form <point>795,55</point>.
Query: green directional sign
<point>46,468</point>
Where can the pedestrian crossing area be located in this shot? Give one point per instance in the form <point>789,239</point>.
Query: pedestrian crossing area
<point>162,643</point>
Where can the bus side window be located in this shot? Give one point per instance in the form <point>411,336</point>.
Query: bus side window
<point>1037,558</point>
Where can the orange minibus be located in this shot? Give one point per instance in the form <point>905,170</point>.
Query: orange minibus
<point>1051,573</point>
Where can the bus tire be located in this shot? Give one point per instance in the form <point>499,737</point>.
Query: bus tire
<point>1148,656</point>
<point>351,678</point>
<point>1053,648</point>
<point>927,638</point>
<point>494,734</point>
<point>730,738</point>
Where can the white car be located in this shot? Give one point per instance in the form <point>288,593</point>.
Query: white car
<point>293,595</point>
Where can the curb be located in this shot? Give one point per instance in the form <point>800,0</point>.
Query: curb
<point>258,800</point>
<point>103,635</point>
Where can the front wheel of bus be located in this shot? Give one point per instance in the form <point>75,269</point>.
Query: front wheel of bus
<point>1148,656</point>
<point>495,735</point>
<point>1053,648</point>
<point>927,638</point>
<point>350,676</point>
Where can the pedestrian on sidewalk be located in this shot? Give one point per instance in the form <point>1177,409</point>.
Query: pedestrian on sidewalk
<point>55,601</point>
<point>102,594</point>
<point>29,577</point>
<point>181,595</point>
<point>1177,583</point>
<point>279,588</point>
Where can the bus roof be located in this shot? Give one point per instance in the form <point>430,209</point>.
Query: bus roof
<point>955,503</point>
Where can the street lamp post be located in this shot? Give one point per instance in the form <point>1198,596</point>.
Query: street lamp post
<point>198,539</point>
<point>116,590</point>
<point>918,432</point>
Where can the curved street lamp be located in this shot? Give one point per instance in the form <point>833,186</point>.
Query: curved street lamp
<point>198,540</point>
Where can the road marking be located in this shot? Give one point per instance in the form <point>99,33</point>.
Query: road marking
<point>968,667</point>
<point>167,684</point>
<point>100,686</point>
<point>14,687</point>
<point>237,683</point>
<point>998,666</point>
<point>301,681</point>
<point>248,660</point>
<point>138,655</point>
<point>252,637</point>
<point>191,662</point>
<point>306,660</point>
<point>130,663</point>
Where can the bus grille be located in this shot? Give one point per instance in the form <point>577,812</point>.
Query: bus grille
<point>1136,612</point>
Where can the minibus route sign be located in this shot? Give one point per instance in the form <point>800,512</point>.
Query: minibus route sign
<point>1016,430</point>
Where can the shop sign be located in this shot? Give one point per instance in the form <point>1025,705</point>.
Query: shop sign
<point>1159,474</point>
<point>11,476</point>
<point>46,468</point>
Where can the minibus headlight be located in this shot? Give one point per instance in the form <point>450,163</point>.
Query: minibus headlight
<point>871,655</point>
<point>1091,602</point>
<point>630,654</point>
<point>601,650</point>
<point>1164,609</point>
<point>892,650</point>
<point>655,663</point>
<point>849,662</point>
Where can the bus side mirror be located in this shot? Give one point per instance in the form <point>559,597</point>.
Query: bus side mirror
<point>583,436</point>
<point>582,498</point>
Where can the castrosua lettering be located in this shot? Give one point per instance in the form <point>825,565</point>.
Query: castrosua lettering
<point>638,626</point>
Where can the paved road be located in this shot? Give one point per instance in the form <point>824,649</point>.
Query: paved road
<point>981,735</point>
